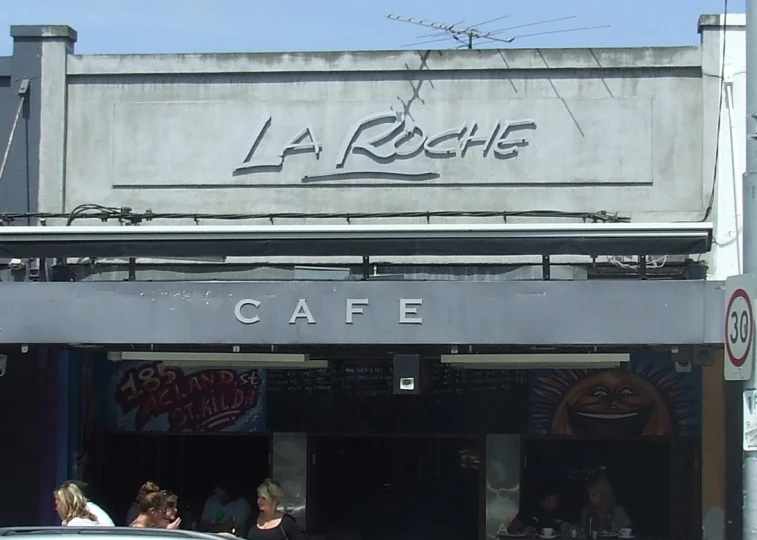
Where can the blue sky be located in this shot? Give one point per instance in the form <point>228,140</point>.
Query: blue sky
<point>160,26</point>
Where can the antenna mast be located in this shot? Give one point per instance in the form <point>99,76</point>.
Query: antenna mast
<point>466,35</point>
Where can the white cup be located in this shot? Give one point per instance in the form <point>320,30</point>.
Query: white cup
<point>547,532</point>
<point>626,533</point>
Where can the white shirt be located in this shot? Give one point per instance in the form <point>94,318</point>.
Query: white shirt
<point>239,510</point>
<point>102,517</point>
<point>81,522</point>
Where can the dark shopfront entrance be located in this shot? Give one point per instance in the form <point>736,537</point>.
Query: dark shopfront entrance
<point>367,487</point>
<point>378,487</point>
<point>184,464</point>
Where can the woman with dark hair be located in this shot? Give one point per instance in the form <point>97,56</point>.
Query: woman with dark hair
<point>153,513</point>
<point>144,490</point>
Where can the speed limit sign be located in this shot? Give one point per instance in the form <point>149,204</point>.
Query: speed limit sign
<point>739,327</point>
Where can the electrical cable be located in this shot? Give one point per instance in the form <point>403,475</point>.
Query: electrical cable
<point>128,216</point>
<point>711,202</point>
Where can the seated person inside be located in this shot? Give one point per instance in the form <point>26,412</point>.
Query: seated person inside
<point>602,513</point>
<point>548,514</point>
<point>225,512</point>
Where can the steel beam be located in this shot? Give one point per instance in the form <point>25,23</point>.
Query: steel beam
<point>591,239</point>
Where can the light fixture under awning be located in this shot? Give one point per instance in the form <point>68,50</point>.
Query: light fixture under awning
<point>537,361</point>
<point>591,239</point>
<point>222,360</point>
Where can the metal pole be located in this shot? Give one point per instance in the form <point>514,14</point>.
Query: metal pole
<point>749,228</point>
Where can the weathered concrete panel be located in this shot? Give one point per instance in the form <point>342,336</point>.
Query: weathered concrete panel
<point>385,61</point>
<point>450,142</point>
<point>178,136</point>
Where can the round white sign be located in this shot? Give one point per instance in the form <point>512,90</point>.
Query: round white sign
<point>739,327</point>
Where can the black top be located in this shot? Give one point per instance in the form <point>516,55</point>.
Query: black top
<point>287,530</point>
<point>540,519</point>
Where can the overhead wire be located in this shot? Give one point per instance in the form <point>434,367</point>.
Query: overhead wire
<point>721,92</point>
<point>127,216</point>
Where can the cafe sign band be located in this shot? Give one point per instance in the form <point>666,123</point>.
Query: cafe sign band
<point>360,312</point>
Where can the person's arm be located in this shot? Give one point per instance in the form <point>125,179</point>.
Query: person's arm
<point>291,529</point>
<point>132,514</point>
<point>206,517</point>
<point>516,525</point>
<point>585,518</point>
<point>242,512</point>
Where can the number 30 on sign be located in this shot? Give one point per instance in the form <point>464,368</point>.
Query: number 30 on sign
<point>739,327</point>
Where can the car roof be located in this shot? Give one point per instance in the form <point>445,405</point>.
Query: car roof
<point>110,532</point>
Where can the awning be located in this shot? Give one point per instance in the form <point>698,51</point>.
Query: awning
<point>594,312</point>
<point>591,239</point>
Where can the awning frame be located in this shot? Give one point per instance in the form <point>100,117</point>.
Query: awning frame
<point>588,239</point>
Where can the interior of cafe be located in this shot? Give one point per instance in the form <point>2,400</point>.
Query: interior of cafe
<point>449,447</point>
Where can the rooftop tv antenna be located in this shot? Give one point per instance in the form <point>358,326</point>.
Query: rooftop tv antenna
<point>467,35</point>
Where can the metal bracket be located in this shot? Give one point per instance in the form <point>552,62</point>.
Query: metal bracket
<point>643,266</point>
<point>35,270</point>
<point>132,269</point>
<point>546,273</point>
<point>23,87</point>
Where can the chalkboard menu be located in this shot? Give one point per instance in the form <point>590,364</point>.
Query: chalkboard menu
<point>357,396</point>
<point>368,379</point>
<point>456,380</point>
<point>301,380</point>
<point>375,378</point>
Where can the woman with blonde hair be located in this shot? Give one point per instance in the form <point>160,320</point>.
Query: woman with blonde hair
<point>271,523</point>
<point>71,506</point>
<point>603,514</point>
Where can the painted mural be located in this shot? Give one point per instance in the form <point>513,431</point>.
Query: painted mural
<point>150,396</point>
<point>647,397</point>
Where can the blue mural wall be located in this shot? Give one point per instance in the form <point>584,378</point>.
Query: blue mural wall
<point>647,397</point>
<point>151,396</point>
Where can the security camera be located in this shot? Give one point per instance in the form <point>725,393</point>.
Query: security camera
<point>24,349</point>
<point>682,366</point>
<point>16,264</point>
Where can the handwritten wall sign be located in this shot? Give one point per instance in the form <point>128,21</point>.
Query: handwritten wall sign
<point>202,400</point>
<point>386,138</point>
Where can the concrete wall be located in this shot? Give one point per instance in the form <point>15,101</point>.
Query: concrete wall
<point>724,91</point>
<point>724,53</point>
<point>579,130</point>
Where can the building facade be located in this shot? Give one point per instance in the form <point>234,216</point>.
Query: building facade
<point>537,140</point>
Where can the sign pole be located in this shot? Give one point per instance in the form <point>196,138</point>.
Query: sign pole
<point>749,228</point>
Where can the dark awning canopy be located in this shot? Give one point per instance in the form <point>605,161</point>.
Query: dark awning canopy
<point>591,239</point>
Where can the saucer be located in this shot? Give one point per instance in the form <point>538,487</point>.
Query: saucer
<point>546,537</point>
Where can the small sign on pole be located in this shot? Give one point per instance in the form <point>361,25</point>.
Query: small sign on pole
<point>750,421</point>
<point>739,327</point>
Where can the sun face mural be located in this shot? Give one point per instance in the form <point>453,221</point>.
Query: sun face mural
<point>648,398</point>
